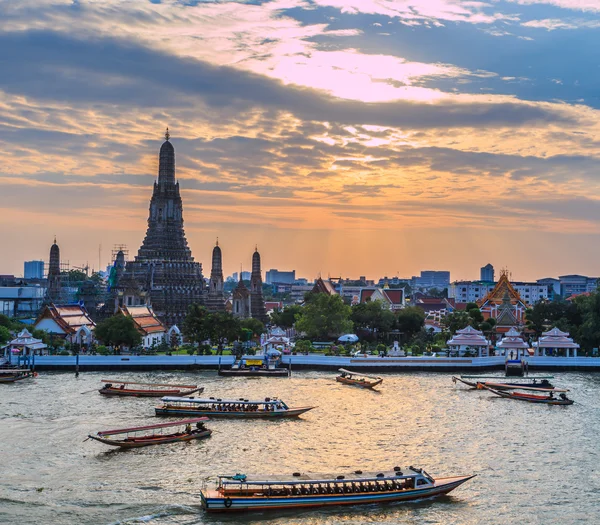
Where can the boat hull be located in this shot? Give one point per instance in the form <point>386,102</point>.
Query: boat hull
<point>362,384</point>
<point>545,400</point>
<point>179,411</point>
<point>128,392</point>
<point>14,378</point>
<point>213,501</point>
<point>503,386</point>
<point>260,372</point>
<point>148,442</point>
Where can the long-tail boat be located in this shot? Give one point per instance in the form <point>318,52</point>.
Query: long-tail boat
<point>228,408</point>
<point>531,398</point>
<point>142,437</point>
<point>473,381</point>
<point>353,378</point>
<point>114,387</point>
<point>246,493</point>
<point>9,375</point>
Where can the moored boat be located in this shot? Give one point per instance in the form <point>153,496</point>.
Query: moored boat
<point>256,366</point>
<point>353,378</point>
<point>142,437</point>
<point>12,375</point>
<point>246,493</point>
<point>537,382</point>
<point>549,399</point>
<point>228,408</point>
<point>113,387</point>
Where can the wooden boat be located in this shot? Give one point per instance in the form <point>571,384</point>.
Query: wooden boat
<point>229,408</point>
<point>128,388</point>
<point>139,436</point>
<point>352,378</point>
<point>246,493</point>
<point>255,366</point>
<point>532,398</point>
<point>473,381</point>
<point>11,375</point>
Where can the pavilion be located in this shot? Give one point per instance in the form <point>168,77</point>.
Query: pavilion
<point>25,344</point>
<point>512,345</point>
<point>554,341</point>
<point>468,339</point>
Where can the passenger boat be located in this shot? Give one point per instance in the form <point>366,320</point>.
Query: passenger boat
<point>245,493</point>
<point>140,437</point>
<point>128,388</point>
<point>352,378</point>
<point>538,382</point>
<point>532,398</point>
<point>256,366</point>
<point>230,408</point>
<point>12,375</point>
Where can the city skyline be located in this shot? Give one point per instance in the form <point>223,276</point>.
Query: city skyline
<point>342,138</point>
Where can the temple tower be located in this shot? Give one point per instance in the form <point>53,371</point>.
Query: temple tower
<point>215,300</point>
<point>241,300</point>
<point>164,274</point>
<point>257,303</point>
<point>54,285</point>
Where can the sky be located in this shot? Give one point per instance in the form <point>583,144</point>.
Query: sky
<point>341,137</point>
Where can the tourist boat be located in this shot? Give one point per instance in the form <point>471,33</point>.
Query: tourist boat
<point>256,366</point>
<point>473,381</point>
<point>245,493</point>
<point>230,408</point>
<point>12,375</point>
<point>128,388</point>
<point>141,437</point>
<point>352,378</point>
<point>532,398</point>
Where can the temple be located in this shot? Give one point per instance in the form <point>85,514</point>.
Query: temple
<point>257,303</point>
<point>54,290</point>
<point>164,273</point>
<point>504,304</point>
<point>215,300</point>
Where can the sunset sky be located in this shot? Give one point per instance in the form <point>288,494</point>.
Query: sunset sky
<point>343,137</point>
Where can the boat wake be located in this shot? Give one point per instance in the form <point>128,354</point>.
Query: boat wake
<point>165,511</point>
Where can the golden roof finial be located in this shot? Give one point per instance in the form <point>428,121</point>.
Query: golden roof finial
<point>167,134</point>
<point>217,241</point>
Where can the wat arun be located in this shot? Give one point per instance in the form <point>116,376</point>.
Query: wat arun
<point>164,273</point>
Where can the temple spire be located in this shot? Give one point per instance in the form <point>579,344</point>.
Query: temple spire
<point>167,134</point>
<point>166,162</point>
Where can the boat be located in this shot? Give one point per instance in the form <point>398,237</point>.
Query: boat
<point>352,378</point>
<point>256,366</point>
<point>246,493</point>
<point>228,408</point>
<point>473,381</point>
<point>139,437</point>
<point>12,375</point>
<point>129,388</point>
<point>532,398</point>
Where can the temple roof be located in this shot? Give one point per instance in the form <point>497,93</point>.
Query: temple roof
<point>68,317</point>
<point>322,286</point>
<point>468,337</point>
<point>144,319</point>
<point>556,339</point>
<point>512,339</point>
<point>497,295</point>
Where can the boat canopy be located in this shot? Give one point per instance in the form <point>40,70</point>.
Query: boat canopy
<point>204,401</point>
<point>151,427</point>
<point>358,374</point>
<point>116,381</point>
<point>312,478</point>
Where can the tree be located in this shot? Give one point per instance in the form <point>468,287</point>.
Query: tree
<point>457,320</point>
<point>253,325</point>
<point>6,321</point>
<point>373,316</point>
<point>118,330</point>
<point>324,316</point>
<point>410,320</point>
<point>224,327</point>
<point>197,324</point>
<point>5,335</point>
<point>287,317</point>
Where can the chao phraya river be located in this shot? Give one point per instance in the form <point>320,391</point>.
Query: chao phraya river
<point>535,464</point>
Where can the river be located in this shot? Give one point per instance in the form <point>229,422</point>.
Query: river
<point>534,464</point>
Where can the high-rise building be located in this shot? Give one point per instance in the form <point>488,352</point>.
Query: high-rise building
<point>431,279</point>
<point>274,276</point>
<point>33,269</point>
<point>486,273</point>
<point>164,274</point>
<point>577,284</point>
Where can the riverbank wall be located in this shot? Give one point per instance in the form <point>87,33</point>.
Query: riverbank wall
<point>87,363</point>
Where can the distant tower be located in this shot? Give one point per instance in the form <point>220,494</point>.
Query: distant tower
<point>216,300</point>
<point>257,303</point>
<point>54,286</point>
<point>241,300</point>
<point>487,273</point>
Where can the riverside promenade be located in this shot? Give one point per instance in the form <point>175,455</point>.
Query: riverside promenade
<point>88,363</point>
